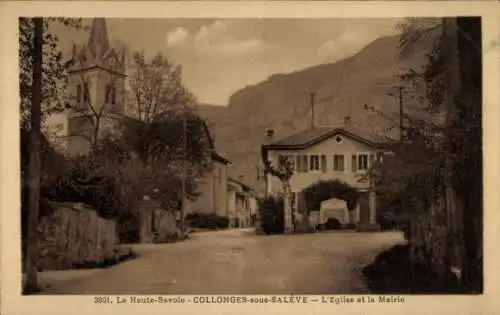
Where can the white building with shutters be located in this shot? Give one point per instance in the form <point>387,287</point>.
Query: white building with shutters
<point>325,153</point>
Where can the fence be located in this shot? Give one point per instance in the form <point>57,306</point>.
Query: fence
<point>75,234</point>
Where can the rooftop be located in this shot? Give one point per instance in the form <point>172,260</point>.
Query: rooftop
<point>312,136</point>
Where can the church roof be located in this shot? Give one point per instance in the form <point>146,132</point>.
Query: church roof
<point>98,42</point>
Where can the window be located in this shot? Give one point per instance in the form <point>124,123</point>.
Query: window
<point>323,163</point>
<point>113,95</point>
<point>86,93</point>
<point>314,162</point>
<point>78,93</point>
<point>305,163</point>
<point>107,91</point>
<point>338,162</point>
<point>362,161</point>
<point>291,159</point>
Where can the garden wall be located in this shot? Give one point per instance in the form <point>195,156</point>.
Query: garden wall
<point>74,234</point>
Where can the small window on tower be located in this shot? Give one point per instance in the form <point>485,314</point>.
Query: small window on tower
<point>86,93</point>
<point>78,93</point>
<point>113,95</point>
<point>107,90</point>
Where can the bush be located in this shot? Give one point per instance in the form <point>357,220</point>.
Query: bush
<point>207,221</point>
<point>272,215</point>
<point>323,190</point>
<point>349,226</point>
<point>77,184</point>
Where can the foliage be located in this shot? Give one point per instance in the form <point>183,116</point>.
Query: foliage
<point>162,156</point>
<point>207,221</point>
<point>332,224</point>
<point>416,173</point>
<point>54,70</point>
<point>271,212</point>
<point>78,184</point>
<point>156,88</point>
<point>323,190</point>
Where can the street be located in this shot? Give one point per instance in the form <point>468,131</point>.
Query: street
<point>236,262</point>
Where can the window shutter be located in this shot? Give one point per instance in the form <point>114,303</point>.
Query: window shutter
<point>341,163</point>
<point>372,160</point>
<point>354,163</point>
<point>305,165</point>
<point>323,163</point>
<point>299,163</point>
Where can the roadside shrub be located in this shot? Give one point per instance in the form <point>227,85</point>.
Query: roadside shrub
<point>207,221</point>
<point>77,184</point>
<point>271,210</point>
<point>332,224</point>
<point>323,190</point>
<point>349,226</point>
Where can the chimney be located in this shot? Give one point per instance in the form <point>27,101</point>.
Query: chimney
<point>347,120</point>
<point>270,135</point>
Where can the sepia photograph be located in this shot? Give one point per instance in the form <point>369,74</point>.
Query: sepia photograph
<point>323,157</point>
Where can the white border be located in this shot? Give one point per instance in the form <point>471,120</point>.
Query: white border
<point>13,303</point>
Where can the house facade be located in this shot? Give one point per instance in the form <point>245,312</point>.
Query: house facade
<point>325,153</point>
<point>242,204</point>
<point>213,189</point>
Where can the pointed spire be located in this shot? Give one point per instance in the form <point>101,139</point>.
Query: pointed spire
<point>98,41</point>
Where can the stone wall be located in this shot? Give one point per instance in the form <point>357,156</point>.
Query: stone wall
<point>75,234</point>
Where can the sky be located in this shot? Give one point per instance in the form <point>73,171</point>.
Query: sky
<point>220,56</point>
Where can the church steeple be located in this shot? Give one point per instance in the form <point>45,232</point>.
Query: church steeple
<point>98,42</point>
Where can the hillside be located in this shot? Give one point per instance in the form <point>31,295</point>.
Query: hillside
<point>282,102</point>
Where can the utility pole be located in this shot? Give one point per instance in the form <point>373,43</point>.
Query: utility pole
<point>312,110</point>
<point>31,283</point>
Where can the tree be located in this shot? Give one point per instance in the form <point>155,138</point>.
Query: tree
<point>168,136</point>
<point>442,147</point>
<point>156,88</point>
<point>323,190</point>
<point>41,72</point>
<point>284,172</point>
<point>55,96</point>
<point>162,153</point>
<point>34,163</point>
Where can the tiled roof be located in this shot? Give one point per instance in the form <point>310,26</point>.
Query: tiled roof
<point>312,136</point>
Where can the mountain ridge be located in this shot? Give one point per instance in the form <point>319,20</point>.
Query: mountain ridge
<point>282,102</point>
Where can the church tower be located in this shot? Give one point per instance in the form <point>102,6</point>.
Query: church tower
<point>97,84</point>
